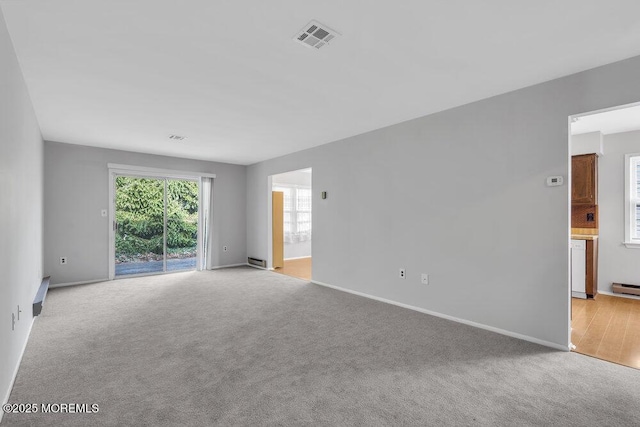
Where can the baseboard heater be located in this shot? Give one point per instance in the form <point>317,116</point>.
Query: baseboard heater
<point>259,262</point>
<point>620,288</point>
<point>40,296</point>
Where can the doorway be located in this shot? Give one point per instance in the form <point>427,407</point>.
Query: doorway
<point>156,225</point>
<point>605,234</point>
<point>290,233</point>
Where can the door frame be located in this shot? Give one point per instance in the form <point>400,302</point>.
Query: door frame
<point>270,212</point>
<point>570,120</point>
<point>116,170</point>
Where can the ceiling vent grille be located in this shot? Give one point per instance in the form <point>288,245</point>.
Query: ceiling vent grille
<point>177,137</point>
<point>315,34</point>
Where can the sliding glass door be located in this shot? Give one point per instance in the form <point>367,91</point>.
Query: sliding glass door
<point>156,225</point>
<point>182,224</point>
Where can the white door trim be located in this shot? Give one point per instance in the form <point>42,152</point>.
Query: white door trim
<point>157,172</point>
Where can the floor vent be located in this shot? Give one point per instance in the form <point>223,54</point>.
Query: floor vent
<point>259,262</point>
<point>620,288</point>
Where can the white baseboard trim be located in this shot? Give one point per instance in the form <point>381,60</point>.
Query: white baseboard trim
<point>619,295</point>
<point>452,318</point>
<point>17,368</point>
<point>84,282</point>
<point>297,257</point>
<point>218,267</point>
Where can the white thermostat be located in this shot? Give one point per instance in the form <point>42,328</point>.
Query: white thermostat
<point>554,181</point>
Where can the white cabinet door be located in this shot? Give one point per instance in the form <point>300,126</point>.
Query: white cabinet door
<point>578,267</point>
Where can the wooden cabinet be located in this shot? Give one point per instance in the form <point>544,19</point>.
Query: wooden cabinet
<point>584,179</point>
<point>591,282</point>
<point>584,212</point>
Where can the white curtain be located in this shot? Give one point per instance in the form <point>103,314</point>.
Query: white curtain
<point>206,218</point>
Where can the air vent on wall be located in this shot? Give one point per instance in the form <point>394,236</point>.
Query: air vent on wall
<point>315,34</point>
<point>255,261</point>
<point>177,137</point>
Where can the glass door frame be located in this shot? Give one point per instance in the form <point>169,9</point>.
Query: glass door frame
<point>116,170</point>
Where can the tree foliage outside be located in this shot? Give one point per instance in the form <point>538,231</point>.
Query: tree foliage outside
<point>140,218</point>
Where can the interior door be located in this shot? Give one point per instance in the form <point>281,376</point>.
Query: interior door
<point>278,228</point>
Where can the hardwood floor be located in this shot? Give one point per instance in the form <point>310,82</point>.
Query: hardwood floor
<point>607,328</point>
<point>300,268</point>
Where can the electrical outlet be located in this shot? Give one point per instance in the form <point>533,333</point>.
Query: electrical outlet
<point>63,260</point>
<point>424,279</point>
<point>225,249</point>
<point>403,274</point>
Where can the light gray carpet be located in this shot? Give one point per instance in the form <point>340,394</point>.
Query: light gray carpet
<point>249,347</point>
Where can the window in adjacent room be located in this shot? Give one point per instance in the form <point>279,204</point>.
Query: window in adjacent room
<point>297,213</point>
<point>632,200</point>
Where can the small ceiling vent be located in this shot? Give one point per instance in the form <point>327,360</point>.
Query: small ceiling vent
<point>315,34</point>
<point>177,137</point>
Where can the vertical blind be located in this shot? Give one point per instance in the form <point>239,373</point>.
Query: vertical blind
<point>635,196</point>
<point>206,221</point>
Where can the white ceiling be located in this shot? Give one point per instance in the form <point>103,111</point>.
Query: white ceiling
<point>227,74</point>
<point>608,122</point>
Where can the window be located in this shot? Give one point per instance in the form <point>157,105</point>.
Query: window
<point>632,200</point>
<point>287,209</point>
<point>303,213</point>
<point>297,213</point>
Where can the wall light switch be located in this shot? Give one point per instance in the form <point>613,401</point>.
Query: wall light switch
<point>424,278</point>
<point>103,212</point>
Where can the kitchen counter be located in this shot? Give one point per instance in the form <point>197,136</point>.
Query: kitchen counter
<point>583,237</point>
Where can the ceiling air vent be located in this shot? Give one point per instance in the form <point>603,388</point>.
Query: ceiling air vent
<point>177,137</point>
<point>315,34</point>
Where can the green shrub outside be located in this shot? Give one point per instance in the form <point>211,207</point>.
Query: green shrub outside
<point>140,218</point>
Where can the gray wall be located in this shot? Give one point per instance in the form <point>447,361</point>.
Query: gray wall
<point>20,210</point>
<point>460,195</point>
<point>616,263</point>
<point>77,189</point>
<point>586,143</point>
<point>295,250</point>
